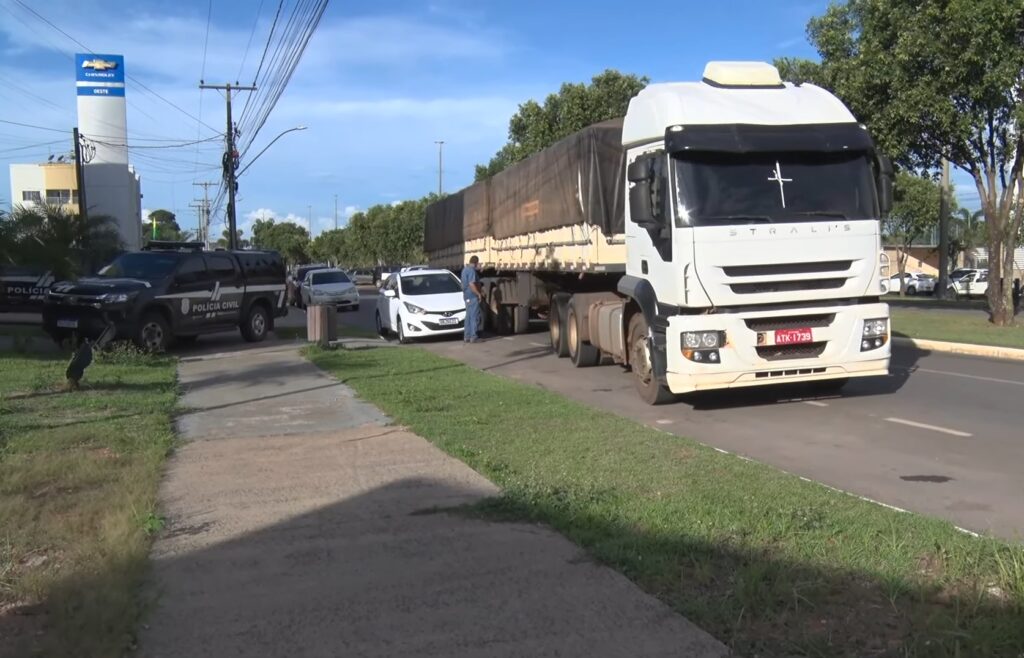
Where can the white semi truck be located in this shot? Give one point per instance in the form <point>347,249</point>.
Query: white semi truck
<point>724,234</point>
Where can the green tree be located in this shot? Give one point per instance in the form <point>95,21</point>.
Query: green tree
<point>914,214</point>
<point>287,238</point>
<point>800,71</point>
<point>240,241</point>
<point>576,105</point>
<point>331,247</point>
<point>64,242</point>
<point>966,232</point>
<point>167,227</point>
<point>940,79</point>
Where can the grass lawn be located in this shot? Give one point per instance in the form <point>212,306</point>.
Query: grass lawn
<point>78,480</point>
<point>954,327</point>
<point>770,564</point>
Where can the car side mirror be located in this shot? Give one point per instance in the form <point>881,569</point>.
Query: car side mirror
<point>390,293</point>
<point>885,180</point>
<point>645,187</point>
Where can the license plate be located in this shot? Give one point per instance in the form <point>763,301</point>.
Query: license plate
<point>793,336</point>
<point>447,321</point>
<point>67,324</point>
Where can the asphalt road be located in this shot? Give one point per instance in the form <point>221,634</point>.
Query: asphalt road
<point>942,435</point>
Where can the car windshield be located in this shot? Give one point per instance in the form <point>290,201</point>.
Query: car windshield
<point>150,266</point>
<point>430,284</point>
<point>742,188</point>
<point>329,277</point>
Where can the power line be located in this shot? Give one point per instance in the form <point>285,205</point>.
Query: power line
<point>270,38</point>
<point>32,146</point>
<point>28,125</point>
<point>206,41</point>
<point>130,77</point>
<point>248,45</point>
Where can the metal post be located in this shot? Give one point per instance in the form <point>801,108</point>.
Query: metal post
<point>440,167</point>
<point>943,233</point>
<point>83,209</point>
<point>204,213</point>
<point>229,160</point>
<point>335,212</point>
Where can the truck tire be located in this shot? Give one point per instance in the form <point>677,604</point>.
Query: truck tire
<point>581,353</point>
<point>153,333</point>
<point>520,319</point>
<point>556,324</point>
<point>498,314</point>
<point>256,324</point>
<point>650,389</point>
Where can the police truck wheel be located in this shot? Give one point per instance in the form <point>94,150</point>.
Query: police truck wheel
<point>556,324</point>
<point>153,333</point>
<point>256,324</point>
<point>647,385</point>
<point>581,353</point>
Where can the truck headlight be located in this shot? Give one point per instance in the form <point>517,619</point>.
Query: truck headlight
<point>875,334</point>
<point>415,310</point>
<point>702,346</point>
<point>116,297</point>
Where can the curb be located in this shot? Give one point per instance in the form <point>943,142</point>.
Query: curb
<point>968,349</point>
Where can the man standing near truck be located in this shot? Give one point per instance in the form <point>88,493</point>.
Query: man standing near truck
<point>472,293</point>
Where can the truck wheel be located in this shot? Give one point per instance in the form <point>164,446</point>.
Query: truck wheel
<point>647,385</point>
<point>581,353</point>
<point>556,324</point>
<point>153,333</point>
<point>256,324</point>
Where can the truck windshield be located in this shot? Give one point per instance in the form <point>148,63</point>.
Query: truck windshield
<point>147,266</point>
<point>430,284</point>
<point>744,188</point>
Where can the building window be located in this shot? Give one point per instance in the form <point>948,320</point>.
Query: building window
<point>31,196</point>
<point>58,197</point>
<point>74,196</point>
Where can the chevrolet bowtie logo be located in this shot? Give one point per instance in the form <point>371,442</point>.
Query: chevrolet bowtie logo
<point>98,64</point>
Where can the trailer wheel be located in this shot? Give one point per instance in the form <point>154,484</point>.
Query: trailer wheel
<point>581,353</point>
<point>556,324</point>
<point>647,385</point>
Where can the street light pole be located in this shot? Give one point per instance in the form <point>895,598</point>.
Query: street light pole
<point>335,212</point>
<point>246,167</point>
<point>310,209</point>
<point>440,167</point>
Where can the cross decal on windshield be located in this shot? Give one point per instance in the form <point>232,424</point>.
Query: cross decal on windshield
<point>777,177</point>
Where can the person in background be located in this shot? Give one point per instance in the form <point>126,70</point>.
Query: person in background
<point>473,293</point>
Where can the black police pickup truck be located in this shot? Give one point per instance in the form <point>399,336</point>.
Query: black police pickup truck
<point>171,290</point>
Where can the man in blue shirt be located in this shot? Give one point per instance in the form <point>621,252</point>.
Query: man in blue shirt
<point>473,293</point>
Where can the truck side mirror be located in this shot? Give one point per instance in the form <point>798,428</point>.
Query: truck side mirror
<point>885,179</point>
<point>645,187</point>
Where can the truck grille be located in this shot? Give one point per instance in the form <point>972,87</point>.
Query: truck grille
<point>788,268</point>
<point>786,286</point>
<point>786,352</point>
<point>790,322</point>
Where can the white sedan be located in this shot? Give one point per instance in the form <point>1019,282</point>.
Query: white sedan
<point>421,303</point>
<point>972,284</point>
<point>916,283</point>
<point>329,287</point>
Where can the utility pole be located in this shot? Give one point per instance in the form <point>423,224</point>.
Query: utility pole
<point>83,208</point>
<point>943,232</point>
<point>204,215</point>
<point>310,210</point>
<point>440,167</point>
<point>230,159</point>
<point>335,212</point>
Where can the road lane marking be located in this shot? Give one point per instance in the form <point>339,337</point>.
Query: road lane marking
<point>535,343</point>
<point>815,403</point>
<point>925,426</point>
<point>966,376</point>
<point>507,338</point>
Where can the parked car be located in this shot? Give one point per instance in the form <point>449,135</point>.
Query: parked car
<point>421,303</point>
<point>171,291</point>
<point>361,277</point>
<point>972,284</point>
<point>331,287</point>
<point>295,281</point>
<point>923,284</point>
<point>961,272</point>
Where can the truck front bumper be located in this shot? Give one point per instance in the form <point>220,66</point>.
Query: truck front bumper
<point>749,356</point>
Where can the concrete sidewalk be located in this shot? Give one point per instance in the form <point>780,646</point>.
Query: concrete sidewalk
<point>300,523</point>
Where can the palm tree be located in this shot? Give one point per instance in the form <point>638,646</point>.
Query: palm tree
<point>63,242</point>
<point>967,232</point>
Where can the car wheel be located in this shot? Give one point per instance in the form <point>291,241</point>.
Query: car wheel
<point>153,333</point>
<point>256,324</point>
<point>912,290</point>
<point>401,330</point>
<point>647,385</point>
<point>381,331</point>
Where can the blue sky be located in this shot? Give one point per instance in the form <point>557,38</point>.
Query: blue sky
<point>378,85</point>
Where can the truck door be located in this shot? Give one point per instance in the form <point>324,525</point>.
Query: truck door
<point>190,295</point>
<point>228,288</point>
